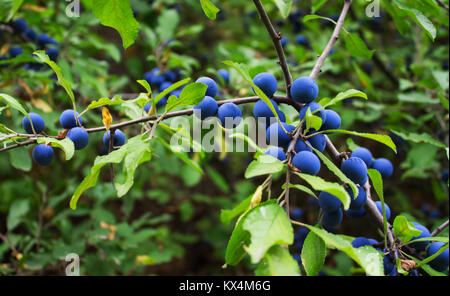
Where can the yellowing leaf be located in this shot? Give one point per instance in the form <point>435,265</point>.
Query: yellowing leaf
<point>107,118</point>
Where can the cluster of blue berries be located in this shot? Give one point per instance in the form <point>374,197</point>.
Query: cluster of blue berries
<point>303,90</point>
<point>440,263</point>
<point>229,114</point>
<point>161,80</point>
<point>43,41</point>
<point>43,153</point>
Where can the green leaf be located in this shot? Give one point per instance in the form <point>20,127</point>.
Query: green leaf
<point>284,6</point>
<point>419,18</point>
<point>312,121</point>
<point>20,159</point>
<point>146,85</point>
<point>65,145</point>
<point>105,102</point>
<point>344,95</point>
<point>404,229</point>
<point>18,209</point>
<point>134,145</point>
<point>132,160</point>
<point>170,89</point>
<point>118,15</point>
<point>260,228</point>
<point>227,215</point>
<point>442,239</point>
<point>310,17</point>
<point>365,80</point>
<point>301,188</point>
<point>337,171</point>
<point>249,141</point>
<point>419,138</point>
<point>183,156</point>
<point>278,262</point>
<point>313,254</point>
<point>384,139</point>
<point>317,4</point>
<point>430,258</point>
<point>367,257</point>
<point>61,80</point>
<point>377,182</point>
<point>14,104</point>
<point>209,8</point>
<point>265,164</point>
<point>335,189</point>
<point>268,226</point>
<point>192,94</point>
<point>356,46</point>
<point>416,97</point>
<point>167,23</point>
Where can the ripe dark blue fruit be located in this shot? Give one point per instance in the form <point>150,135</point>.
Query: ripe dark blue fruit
<point>318,141</point>
<point>307,162</point>
<point>296,214</point>
<point>284,42</point>
<point>162,102</point>
<point>52,53</point>
<point>355,169</point>
<point>302,40</point>
<point>332,121</point>
<point>360,242</point>
<point>206,108</point>
<point>68,120</point>
<point>440,263</point>
<point>364,154</point>
<point>156,80</point>
<point>275,135</point>
<point>212,89</point>
<point>386,207</point>
<point>425,233</point>
<point>332,219</point>
<point>15,51</point>
<point>267,83</point>
<point>329,202</point>
<point>43,154</point>
<point>360,201</point>
<point>165,85</point>
<point>302,146</point>
<point>38,123</point>
<point>31,34</point>
<point>225,75</point>
<point>170,76</point>
<point>388,263</point>
<point>313,107</point>
<point>262,110</point>
<point>444,176</point>
<point>230,115</point>
<point>355,214</point>
<point>276,152</point>
<point>43,39</point>
<point>304,90</point>
<point>79,137</point>
<point>384,166</point>
<point>119,138</point>
<point>19,25</point>
<point>301,234</point>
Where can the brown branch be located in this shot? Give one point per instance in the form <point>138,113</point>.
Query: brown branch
<point>276,38</point>
<point>317,68</point>
<point>442,4</point>
<point>237,101</point>
<point>439,229</point>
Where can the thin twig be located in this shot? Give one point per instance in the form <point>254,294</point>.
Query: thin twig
<point>276,38</point>
<point>439,229</point>
<point>237,101</point>
<point>318,66</point>
<point>442,4</point>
